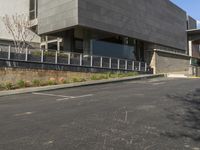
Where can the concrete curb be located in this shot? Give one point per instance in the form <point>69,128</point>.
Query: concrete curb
<point>72,85</point>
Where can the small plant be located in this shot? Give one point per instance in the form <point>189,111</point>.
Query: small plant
<point>21,84</point>
<point>132,73</point>
<point>94,77</point>
<point>51,82</point>
<point>113,75</point>
<point>75,80</point>
<point>50,54</point>
<point>1,87</point>
<point>62,80</point>
<point>36,53</point>
<point>9,86</point>
<point>82,80</point>
<point>36,82</point>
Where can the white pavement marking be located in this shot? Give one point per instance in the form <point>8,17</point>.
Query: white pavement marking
<point>24,114</point>
<point>53,95</point>
<point>63,97</point>
<point>75,97</point>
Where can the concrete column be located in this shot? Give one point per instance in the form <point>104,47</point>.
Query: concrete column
<point>58,45</point>
<point>190,48</point>
<point>46,43</point>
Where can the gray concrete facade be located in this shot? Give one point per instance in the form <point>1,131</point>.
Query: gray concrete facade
<point>56,15</point>
<point>192,23</point>
<point>155,21</point>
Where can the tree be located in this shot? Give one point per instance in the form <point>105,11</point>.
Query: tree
<point>18,26</point>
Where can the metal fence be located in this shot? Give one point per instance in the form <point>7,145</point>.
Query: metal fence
<point>70,58</point>
<point>195,71</point>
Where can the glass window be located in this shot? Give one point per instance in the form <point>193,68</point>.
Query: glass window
<point>33,9</point>
<point>112,49</point>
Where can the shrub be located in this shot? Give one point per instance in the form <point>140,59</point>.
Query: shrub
<point>50,54</point>
<point>21,84</point>
<point>82,80</point>
<point>1,87</point>
<point>99,77</point>
<point>9,86</point>
<point>52,82</point>
<point>36,82</point>
<point>61,80</point>
<point>75,80</point>
<point>112,75</point>
<point>36,53</point>
<point>94,77</point>
<point>132,73</point>
<point>63,55</point>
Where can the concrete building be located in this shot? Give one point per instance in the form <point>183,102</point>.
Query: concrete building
<point>154,31</point>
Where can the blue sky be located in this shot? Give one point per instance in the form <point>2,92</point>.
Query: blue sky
<point>191,6</point>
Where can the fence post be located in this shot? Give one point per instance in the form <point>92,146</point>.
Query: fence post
<point>126,65</point>
<point>42,56</point>
<point>139,66</point>
<point>9,51</point>
<point>69,58</point>
<point>110,63</point>
<point>118,64</point>
<point>81,59</point>
<point>133,66</point>
<point>145,67</point>
<point>91,60</point>
<point>26,55</point>
<point>101,62</point>
<point>56,57</point>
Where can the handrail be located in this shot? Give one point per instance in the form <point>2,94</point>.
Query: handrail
<point>73,58</point>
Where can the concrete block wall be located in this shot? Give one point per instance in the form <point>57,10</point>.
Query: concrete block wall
<point>169,63</point>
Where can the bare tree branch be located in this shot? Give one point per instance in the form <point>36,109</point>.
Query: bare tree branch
<point>18,26</point>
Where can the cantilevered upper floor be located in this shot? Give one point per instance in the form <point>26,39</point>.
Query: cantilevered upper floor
<point>155,21</point>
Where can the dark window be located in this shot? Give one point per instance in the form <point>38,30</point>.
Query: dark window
<point>33,9</point>
<point>78,46</point>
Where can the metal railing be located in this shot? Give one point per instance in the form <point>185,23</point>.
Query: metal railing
<point>71,58</point>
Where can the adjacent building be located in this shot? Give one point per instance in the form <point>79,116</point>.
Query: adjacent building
<point>154,31</point>
<point>13,7</point>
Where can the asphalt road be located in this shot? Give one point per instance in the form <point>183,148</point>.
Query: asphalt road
<point>156,114</point>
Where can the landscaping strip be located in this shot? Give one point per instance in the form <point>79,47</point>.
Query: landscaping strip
<point>79,84</point>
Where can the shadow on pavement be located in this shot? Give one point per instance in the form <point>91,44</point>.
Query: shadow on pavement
<point>185,116</point>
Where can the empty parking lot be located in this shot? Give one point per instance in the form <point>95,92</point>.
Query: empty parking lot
<point>160,114</point>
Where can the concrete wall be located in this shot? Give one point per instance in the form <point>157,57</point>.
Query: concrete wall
<point>12,7</point>
<point>168,63</point>
<point>54,15</point>
<point>192,23</point>
<point>157,21</point>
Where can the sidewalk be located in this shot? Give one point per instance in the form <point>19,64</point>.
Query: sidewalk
<point>72,85</point>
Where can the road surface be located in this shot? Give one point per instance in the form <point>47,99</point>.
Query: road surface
<point>156,114</point>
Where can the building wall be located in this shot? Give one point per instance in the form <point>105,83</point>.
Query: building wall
<point>192,23</point>
<point>12,7</point>
<point>166,63</point>
<point>54,15</point>
<point>157,21</point>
